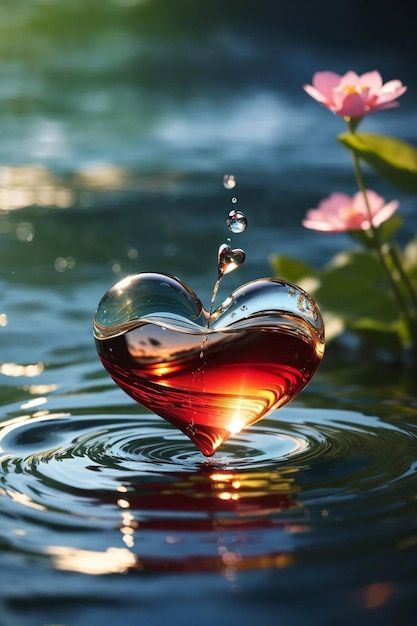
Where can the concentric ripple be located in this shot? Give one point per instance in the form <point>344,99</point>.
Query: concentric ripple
<point>143,490</point>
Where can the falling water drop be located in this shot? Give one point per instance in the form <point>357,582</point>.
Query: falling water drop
<point>236,221</point>
<point>228,258</point>
<point>229,181</point>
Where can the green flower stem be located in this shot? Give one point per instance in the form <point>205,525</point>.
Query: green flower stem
<point>373,232</point>
<point>397,263</point>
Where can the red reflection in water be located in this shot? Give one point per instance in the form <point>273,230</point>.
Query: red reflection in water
<point>210,501</point>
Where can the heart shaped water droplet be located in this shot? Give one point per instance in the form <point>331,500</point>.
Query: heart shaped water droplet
<point>229,259</point>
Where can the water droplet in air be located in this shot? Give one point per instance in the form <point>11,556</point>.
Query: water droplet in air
<point>229,181</point>
<point>237,221</point>
<point>229,259</point>
<point>234,200</point>
<point>243,307</point>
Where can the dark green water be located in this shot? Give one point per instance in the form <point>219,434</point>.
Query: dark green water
<point>118,121</point>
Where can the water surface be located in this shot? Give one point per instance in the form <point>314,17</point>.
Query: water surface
<point>116,131</point>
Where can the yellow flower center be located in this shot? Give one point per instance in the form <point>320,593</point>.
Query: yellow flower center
<point>350,89</point>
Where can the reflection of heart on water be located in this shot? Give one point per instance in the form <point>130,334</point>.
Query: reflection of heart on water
<point>259,349</point>
<point>210,502</point>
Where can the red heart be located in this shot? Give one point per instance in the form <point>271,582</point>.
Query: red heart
<point>263,345</point>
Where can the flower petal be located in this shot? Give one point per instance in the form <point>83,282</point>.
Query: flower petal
<point>386,105</point>
<point>350,79</point>
<point>391,91</point>
<point>393,86</point>
<point>334,202</point>
<point>353,105</point>
<point>375,201</point>
<point>325,82</point>
<point>385,212</point>
<point>372,80</point>
<point>323,226</point>
<point>314,93</point>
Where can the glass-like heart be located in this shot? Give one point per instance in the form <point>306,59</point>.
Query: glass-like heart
<point>263,345</point>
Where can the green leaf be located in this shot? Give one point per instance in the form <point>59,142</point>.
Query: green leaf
<point>410,262</point>
<point>353,289</point>
<point>386,232</point>
<point>362,237</point>
<point>388,229</point>
<point>290,269</point>
<point>372,335</point>
<point>394,159</point>
<point>354,286</point>
<point>410,253</point>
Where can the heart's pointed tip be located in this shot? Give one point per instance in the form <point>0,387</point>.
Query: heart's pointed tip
<point>206,448</point>
<point>208,440</point>
<point>207,453</point>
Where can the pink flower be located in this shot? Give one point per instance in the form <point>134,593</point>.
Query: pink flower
<point>352,95</point>
<point>340,212</point>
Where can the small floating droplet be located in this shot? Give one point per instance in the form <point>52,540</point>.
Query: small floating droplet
<point>229,181</point>
<point>229,259</point>
<point>236,221</point>
<point>243,307</point>
<point>234,200</point>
